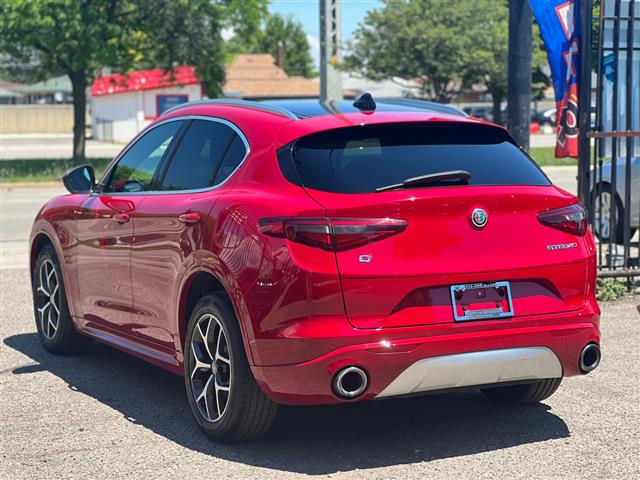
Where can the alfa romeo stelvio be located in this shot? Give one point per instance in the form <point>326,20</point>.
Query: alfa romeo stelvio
<point>301,253</point>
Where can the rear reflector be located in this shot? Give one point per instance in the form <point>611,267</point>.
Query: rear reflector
<point>571,219</point>
<point>332,234</point>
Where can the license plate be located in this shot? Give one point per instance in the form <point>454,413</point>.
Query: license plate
<point>479,301</point>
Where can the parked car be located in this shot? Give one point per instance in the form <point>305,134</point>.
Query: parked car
<point>545,117</point>
<point>273,257</point>
<point>605,203</point>
<point>485,112</point>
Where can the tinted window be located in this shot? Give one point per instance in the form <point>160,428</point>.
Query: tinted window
<point>136,170</point>
<point>198,156</point>
<point>232,159</point>
<point>361,159</point>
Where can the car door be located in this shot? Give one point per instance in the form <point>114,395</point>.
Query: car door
<point>173,227</point>
<point>105,231</point>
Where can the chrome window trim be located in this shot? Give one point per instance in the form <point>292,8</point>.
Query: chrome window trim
<point>229,124</point>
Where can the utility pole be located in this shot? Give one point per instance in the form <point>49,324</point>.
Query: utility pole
<point>584,99</point>
<point>330,81</point>
<point>519,68</point>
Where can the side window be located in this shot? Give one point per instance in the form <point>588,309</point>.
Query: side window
<point>232,159</point>
<point>198,156</point>
<point>136,170</point>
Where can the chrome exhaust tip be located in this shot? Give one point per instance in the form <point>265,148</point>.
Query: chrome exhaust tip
<point>589,358</point>
<point>350,382</point>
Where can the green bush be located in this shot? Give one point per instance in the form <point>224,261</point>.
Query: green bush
<point>611,289</point>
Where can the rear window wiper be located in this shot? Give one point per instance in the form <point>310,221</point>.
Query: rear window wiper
<point>442,178</point>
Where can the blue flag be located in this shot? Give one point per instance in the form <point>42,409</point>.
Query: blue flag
<point>560,30</point>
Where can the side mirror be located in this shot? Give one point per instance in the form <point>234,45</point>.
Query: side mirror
<point>80,179</point>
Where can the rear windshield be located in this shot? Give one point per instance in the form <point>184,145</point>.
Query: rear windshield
<point>363,158</point>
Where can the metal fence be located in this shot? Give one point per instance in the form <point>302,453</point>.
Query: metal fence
<point>613,171</point>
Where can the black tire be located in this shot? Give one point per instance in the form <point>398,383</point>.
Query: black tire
<point>247,413</point>
<point>618,227</point>
<point>55,326</point>
<point>523,393</point>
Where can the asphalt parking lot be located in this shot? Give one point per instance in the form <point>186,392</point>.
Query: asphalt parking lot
<point>104,414</point>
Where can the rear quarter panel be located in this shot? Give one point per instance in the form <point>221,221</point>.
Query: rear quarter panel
<point>273,285</point>
<point>270,290</point>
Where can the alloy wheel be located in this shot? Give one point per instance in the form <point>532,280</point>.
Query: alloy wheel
<point>210,367</point>
<point>48,299</point>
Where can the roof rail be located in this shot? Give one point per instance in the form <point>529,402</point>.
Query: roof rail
<point>237,103</point>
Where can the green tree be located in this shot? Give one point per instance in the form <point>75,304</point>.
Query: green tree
<point>277,28</point>
<point>188,32</point>
<point>68,37</point>
<point>444,46</point>
<point>79,38</point>
<point>245,18</point>
<point>488,64</point>
<point>489,59</point>
<point>423,41</point>
<point>297,59</point>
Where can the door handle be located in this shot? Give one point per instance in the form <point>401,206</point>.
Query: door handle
<point>121,217</point>
<point>189,218</point>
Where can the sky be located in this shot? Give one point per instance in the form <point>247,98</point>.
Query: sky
<point>308,13</point>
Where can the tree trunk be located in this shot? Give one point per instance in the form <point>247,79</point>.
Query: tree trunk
<point>496,98</point>
<point>79,87</point>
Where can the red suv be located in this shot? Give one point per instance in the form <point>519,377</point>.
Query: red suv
<point>310,255</point>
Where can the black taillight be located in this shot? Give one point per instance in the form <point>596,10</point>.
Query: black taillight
<point>571,219</point>
<point>332,234</point>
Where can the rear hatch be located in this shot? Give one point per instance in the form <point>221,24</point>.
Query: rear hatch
<point>494,217</point>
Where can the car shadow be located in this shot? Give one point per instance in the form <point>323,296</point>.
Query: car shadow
<point>309,440</point>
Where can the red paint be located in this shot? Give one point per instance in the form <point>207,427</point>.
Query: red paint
<point>306,311</point>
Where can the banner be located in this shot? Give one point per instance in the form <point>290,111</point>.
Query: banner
<point>560,30</point>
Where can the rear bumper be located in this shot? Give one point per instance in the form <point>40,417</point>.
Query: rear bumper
<point>543,346</point>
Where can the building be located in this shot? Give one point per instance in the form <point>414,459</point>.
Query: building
<point>50,91</point>
<point>257,77</point>
<point>11,93</point>
<point>123,104</point>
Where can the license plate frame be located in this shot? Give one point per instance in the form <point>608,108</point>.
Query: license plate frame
<point>481,314</point>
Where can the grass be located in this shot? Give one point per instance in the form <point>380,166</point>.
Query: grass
<point>545,158</point>
<point>611,289</point>
<point>46,170</point>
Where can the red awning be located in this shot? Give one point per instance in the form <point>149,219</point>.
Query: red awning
<point>144,80</point>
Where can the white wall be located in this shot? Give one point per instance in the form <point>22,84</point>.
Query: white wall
<point>120,116</point>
